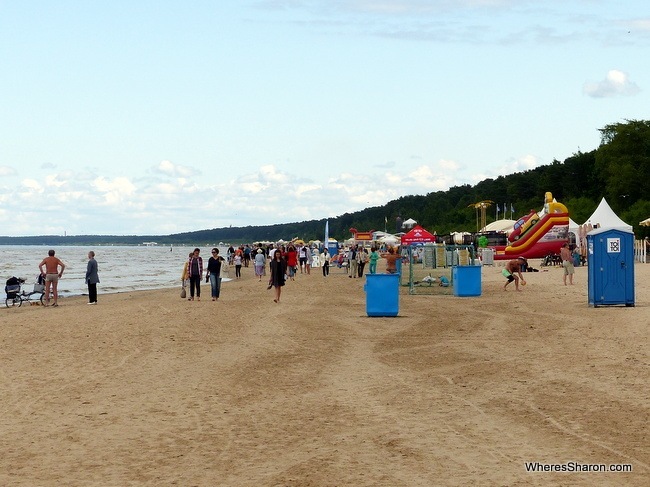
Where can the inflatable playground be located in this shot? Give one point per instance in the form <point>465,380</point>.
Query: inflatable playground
<point>537,234</point>
<point>430,266</point>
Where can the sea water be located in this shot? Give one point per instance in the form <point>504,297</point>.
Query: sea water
<point>121,268</point>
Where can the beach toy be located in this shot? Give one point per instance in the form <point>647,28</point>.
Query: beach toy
<point>523,283</point>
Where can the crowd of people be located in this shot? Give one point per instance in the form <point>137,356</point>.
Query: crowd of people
<point>279,263</point>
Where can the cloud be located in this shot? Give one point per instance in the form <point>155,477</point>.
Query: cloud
<point>385,165</point>
<point>616,83</point>
<point>642,25</point>
<point>170,169</point>
<point>511,166</point>
<point>264,196</point>
<point>6,171</point>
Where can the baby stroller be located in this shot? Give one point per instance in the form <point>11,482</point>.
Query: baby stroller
<point>16,296</point>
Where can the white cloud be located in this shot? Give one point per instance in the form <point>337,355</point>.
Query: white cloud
<point>642,25</point>
<point>6,171</point>
<point>616,83</point>
<point>170,169</point>
<point>268,195</point>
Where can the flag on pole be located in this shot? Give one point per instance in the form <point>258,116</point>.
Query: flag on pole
<point>498,209</point>
<point>512,209</point>
<point>327,233</point>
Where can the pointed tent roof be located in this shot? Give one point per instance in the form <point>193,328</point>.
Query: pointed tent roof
<point>417,235</point>
<point>605,218</point>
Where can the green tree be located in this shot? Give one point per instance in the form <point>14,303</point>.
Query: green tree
<point>623,159</point>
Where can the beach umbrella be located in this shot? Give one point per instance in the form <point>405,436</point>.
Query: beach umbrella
<point>645,223</point>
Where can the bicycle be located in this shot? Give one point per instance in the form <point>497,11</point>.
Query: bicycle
<point>16,296</point>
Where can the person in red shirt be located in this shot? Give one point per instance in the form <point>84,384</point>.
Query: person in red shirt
<point>292,261</point>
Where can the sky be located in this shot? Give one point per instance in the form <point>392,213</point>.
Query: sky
<point>152,117</point>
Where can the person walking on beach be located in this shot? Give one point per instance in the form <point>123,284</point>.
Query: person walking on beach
<point>92,278</point>
<point>308,259</point>
<point>278,270</point>
<point>52,276</point>
<point>302,257</point>
<point>237,260</point>
<point>260,263</point>
<point>373,258</point>
<point>362,257</point>
<point>324,260</point>
<point>213,274</point>
<point>353,263</point>
<point>513,266</point>
<point>292,262</point>
<point>567,263</point>
<point>195,272</point>
<point>186,274</point>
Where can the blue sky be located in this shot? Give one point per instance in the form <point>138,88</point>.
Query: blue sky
<point>157,117</point>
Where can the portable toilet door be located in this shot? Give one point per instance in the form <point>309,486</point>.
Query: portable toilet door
<point>610,259</point>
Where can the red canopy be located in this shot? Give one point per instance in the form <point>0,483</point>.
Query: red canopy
<point>417,235</point>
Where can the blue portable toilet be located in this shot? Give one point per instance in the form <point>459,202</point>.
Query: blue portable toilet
<point>332,248</point>
<point>610,271</point>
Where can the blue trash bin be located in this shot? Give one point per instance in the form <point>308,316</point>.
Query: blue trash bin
<point>467,280</point>
<point>382,294</point>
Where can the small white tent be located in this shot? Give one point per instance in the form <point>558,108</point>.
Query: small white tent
<point>410,223</point>
<point>604,217</point>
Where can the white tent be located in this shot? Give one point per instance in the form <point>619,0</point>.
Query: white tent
<point>410,223</point>
<point>504,225</point>
<point>581,242</point>
<point>645,223</point>
<point>604,217</point>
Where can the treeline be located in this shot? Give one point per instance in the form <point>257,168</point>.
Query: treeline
<point>619,170</point>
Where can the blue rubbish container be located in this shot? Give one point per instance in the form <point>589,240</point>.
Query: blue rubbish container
<point>610,267</point>
<point>467,280</point>
<point>382,294</point>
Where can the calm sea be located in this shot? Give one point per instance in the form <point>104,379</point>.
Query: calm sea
<point>121,268</point>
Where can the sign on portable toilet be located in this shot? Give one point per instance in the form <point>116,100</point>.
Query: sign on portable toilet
<point>610,267</point>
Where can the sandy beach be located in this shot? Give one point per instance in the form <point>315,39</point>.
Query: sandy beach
<point>149,389</point>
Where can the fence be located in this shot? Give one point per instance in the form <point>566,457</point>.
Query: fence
<point>430,266</point>
<point>641,251</point>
